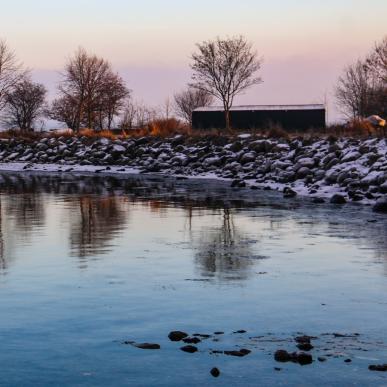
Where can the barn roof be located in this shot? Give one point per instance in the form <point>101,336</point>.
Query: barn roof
<point>262,107</point>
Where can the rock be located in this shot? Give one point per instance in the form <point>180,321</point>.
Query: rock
<point>289,193</point>
<point>338,199</point>
<point>301,358</point>
<point>304,339</point>
<point>322,359</point>
<point>351,156</point>
<point>383,188</point>
<point>305,346</point>
<point>248,157</point>
<point>189,349</point>
<point>347,361</point>
<point>191,340</point>
<point>304,358</point>
<point>177,335</point>
<point>380,368</point>
<point>318,200</point>
<point>282,356</point>
<point>147,346</point>
<point>303,172</point>
<point>241,353</point>
<point>238,183</point>
<point>381,205</point>
<point>215,372</point>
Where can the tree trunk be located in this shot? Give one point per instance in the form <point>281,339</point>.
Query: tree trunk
<point>227,118</point>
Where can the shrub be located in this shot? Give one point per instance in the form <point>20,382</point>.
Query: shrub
<point>277,131</point>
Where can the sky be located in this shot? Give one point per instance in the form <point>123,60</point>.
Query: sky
<point>304,43</point>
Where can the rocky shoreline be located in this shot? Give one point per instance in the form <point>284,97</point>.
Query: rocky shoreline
<point>339,170</point>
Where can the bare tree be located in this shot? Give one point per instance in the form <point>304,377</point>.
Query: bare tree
<point>353,90</point>
<point>377,60</point>
<point>224,68</point>
<point>98,92</point>
<point>362,89</point>
<point>190,99</point>
<point>112,99</point>
<point>64,109</point>
<point>10,71</point>
<point>128,117</point>
<point>136,115</point>
<point>24,104</point>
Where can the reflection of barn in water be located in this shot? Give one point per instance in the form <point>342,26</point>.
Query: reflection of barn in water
<point>290,117</point>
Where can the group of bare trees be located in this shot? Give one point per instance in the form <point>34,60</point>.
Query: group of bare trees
<point>92,95</point>
<point>21,100</point>
<point>362,89</point>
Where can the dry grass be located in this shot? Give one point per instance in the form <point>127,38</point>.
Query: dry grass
<point>356,129</point>
<point>92,134</point>
<point>21,135</point>
<point>160,128</point>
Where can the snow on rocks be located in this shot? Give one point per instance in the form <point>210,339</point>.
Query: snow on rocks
<point>356,170</point>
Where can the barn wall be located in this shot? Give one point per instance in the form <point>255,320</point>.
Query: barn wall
<point>246,119</point>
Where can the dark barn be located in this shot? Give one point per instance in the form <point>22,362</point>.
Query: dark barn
<point>290,117</point>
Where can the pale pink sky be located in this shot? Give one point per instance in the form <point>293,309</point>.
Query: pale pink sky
<point>305,44</point>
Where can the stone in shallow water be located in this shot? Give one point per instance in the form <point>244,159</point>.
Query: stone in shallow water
<point>305,346</point>
<point>241,353</point>
<point>147,346</point>
<point>192,340</point>
<point>189,349</point>
<point>380,367</point>
<point>282,356</point>
<point>215,372</point>
<point>177,335</point>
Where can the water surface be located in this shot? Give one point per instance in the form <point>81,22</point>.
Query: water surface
<point>87,263</point>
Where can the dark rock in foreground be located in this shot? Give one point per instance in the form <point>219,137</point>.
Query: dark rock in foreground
<point>380,367</point>
<point>301,358</point>
<point>177,335</point>
<point>282,356</point>
<point>215,372</point>
<point>147,346</point>
<point>241,353</point>
<point>305,346</point>
<point>189,349</point>
<point>191,340</point>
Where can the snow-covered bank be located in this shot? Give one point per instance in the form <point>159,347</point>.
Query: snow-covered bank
<point>341,170</point>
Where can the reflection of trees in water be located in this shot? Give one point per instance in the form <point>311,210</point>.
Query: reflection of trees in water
<point>99,205</point>
<point>223,252</point>
<point>20,216</point>
<point>95,221</point>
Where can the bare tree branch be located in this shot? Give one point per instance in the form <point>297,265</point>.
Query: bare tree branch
<point>190,99</point>
<point>11,72</point>
<point>225,68</point>
<point>25,104</point>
